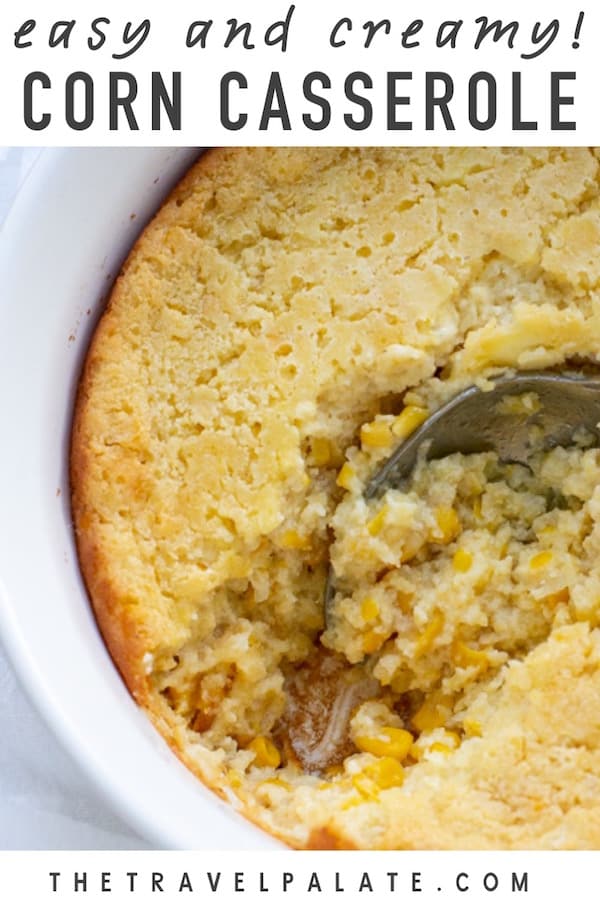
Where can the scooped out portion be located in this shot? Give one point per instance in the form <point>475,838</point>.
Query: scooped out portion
<point>287,320</point>
<point>471,566</point>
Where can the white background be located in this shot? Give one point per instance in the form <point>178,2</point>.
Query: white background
<point>308,50</point>
<point>550,875</point>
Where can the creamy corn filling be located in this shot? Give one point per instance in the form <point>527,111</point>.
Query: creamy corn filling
<point>437,586</point>
<point>441,584</point>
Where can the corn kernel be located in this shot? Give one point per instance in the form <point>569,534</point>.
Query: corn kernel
<point>353,802</point>
<point>428,636</point>
<point>369,609</point>
<point>434,712</point>
<point>477,507</point>
<point>448,523</point>
<point>378,776</point>
<point>386,773</point>
<point>472,728</point>
<point>465,656</point>
<point>408,421</point>
<point>265,752</point>
<point>292,540</point>
<point>557,597</point>
<point>377,522</point>
<point>462,561</point>
<point>393,742</point>
<point>365,786</point>
<point>438,747</point>
<point>234,778</point>
<point>320,451</point>
<point>373,641</point>
<point>540,560</point>
<point>346,477</point>
<point>448,742</point>
<point>376,434</point>
<point>278,782</point>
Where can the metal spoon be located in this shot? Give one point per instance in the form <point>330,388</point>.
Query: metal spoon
<point>473,422</point>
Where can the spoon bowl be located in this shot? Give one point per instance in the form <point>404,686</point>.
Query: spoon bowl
<point>564,406</point>
<point>476,421</point>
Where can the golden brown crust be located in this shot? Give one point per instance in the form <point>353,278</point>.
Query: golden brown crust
<point>118,631</point>
<point>118,628</point>
<point>325,839</point>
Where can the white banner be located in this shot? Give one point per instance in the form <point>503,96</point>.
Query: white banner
<point>258,876</point>
<point>271,72</point>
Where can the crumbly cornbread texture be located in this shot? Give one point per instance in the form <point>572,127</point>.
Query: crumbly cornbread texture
<point>287,319</point>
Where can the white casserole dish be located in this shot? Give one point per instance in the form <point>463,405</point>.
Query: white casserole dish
<point>61,247</point>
